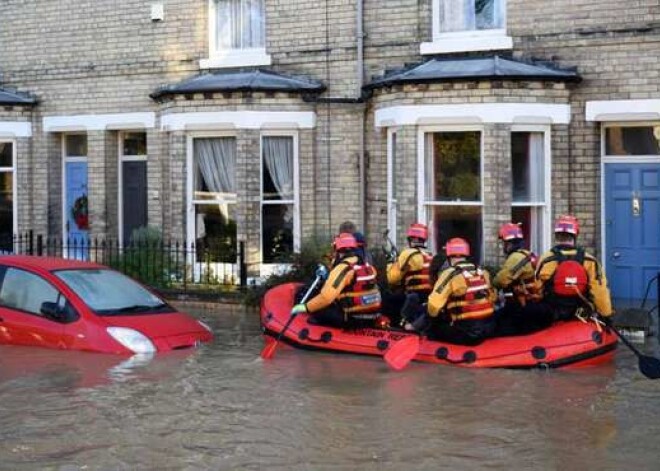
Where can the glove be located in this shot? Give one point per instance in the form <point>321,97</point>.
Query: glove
<point>297,309</point>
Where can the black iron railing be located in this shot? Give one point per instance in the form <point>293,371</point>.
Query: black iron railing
<point>167,265</point>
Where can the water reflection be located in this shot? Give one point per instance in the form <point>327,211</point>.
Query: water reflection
<point>222,407</point>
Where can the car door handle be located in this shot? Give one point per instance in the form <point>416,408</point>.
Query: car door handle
<point>616,254</point>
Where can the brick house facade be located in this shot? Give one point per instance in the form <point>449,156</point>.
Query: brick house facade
<point>341,100</point>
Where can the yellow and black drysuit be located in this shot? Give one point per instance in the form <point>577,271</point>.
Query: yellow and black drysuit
<point>349,295</point>
<point>411,269</point>
<point>597,295</point>
<point>461,305</point>
<point>521,313</point>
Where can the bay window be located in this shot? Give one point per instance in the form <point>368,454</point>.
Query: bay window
<point>214,198</point>
<point>453,187</point>
<point>279,208</point>
<point>529,187</point>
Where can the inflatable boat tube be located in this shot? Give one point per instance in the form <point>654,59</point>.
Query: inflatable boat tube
<point>571,343</point>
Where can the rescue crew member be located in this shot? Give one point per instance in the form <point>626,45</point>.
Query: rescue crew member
<point>350,297</point>
<point>461,304</point>
<point>572,279</point>
<point>411,268</point>
<point>521,313</point>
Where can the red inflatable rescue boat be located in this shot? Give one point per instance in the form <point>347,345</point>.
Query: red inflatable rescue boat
<point>564,344</point>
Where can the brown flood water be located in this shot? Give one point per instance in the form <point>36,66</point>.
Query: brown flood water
<point>222,408</point>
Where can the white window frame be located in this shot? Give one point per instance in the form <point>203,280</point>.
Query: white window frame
<point>546,237</point>
<point>120,172</point>
<point>392,203</point>
<point>231,57</point>
<point>423,214</point>
<point>67,159</point>
<point>14,182</point>
<point>267,269</point>
<point>465,41</point>
<point>618,159</point>
<point>221,268</point>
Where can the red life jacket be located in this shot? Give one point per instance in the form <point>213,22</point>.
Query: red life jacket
<point>475,304</point>
<point>570,279</point>
<point>418,281</point>
<point>362,295</point>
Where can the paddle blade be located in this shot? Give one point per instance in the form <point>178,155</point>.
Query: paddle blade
<point>649,366</point>
<point>269,349</point>
<point>401,353</point>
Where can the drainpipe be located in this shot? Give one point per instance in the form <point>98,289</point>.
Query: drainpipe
<point>360,82</point>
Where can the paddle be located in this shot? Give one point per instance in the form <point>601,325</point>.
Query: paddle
<point>401,353</point>
<point>649,366</point>
<point>271,344</point>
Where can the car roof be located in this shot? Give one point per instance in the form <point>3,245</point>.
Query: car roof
<point>46,263</point>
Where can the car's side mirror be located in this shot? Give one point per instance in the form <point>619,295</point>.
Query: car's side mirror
<point>53,311</point>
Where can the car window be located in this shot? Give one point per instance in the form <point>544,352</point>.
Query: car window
<point>26,291</point>
<point>108,292</point>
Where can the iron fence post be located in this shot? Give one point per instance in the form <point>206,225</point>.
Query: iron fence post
<point>40,245</point>
<point>30,242</point>
<point>242,266</point>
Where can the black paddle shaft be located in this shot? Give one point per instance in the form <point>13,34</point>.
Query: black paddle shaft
<point>649,366</point>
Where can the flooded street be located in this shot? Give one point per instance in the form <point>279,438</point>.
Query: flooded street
<point>223,408</point>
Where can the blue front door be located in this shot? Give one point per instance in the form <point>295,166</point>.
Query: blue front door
<point>76,210</point>
<point>632,229</point>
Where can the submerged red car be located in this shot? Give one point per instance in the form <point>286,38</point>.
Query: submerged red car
<point>76,305</point>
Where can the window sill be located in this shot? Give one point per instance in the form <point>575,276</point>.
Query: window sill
<point>494,40</point>
<point>236,58</point>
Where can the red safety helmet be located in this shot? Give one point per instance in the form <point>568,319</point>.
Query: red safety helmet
<point>345,241</point>
<point>567,224</point>
<point>418,231</point>
<point>510,231</point>
<point>457,247</point>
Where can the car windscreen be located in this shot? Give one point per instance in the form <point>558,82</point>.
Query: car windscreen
<point>108,292</point>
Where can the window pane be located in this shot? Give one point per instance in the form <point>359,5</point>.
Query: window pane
<point>469,15</point>
<point>25,291</point>
<point>107,290</point>
<point>277,220</point>
<point>487,14</point>
<point>458,221</point>
<point>214,169</point>
<point>134,143</point>
<point>76,145</point>
<point>639,140</point>
<point>6,210</point>
<point>453,170</point>
<point>240,24</point>
<point>215,232</point>
<point>528,167</point>
<point>277,168</point>
<point>531,221</point>
<point>6,150</point>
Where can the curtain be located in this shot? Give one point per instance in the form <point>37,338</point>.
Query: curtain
<point>216,160</point>
<point>536,167</point>
<point>240,24</point>
<point>456,15</point>
<point>278,157</point>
